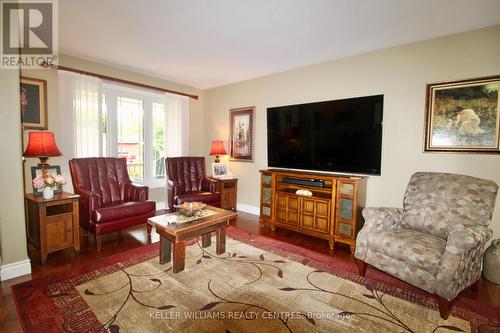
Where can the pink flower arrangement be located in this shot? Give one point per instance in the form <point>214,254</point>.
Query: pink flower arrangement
<point>48,180</point>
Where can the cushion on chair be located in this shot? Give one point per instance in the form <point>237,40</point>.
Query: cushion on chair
<point>120,210</point>
<point>416,248</point>
<point>206,197</point>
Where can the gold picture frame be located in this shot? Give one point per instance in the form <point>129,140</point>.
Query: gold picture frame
<point>241,144</point>
<point>463,116</point>
<point>33,101</point>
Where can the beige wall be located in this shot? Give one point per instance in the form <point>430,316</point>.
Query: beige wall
<point>196,116</point>
<point>401,74</point>
<point>12,227</point>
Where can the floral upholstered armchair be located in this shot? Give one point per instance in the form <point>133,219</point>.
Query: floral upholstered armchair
<point>436,242</point>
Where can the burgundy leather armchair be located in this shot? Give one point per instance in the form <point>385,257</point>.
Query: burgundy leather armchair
<point>109,201</point>
<point>187,181</point>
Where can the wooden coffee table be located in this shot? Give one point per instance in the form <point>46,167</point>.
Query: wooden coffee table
<point>173,236</point>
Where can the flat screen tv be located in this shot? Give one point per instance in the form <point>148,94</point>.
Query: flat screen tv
<point>339,136</point>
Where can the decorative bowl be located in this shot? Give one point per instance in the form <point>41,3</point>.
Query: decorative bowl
<point>190,209</point>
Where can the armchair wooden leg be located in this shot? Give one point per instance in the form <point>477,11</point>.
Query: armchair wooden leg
<point>361,267</point>
<point>475,286</point>
<point>444,306</point>
<point>98,239</point>
<point>150,227</point>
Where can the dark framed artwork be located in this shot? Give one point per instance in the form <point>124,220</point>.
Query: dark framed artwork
<point>463,116</point>
<point>33,99</point>
<point>54,170</point>
<point>241,134</point>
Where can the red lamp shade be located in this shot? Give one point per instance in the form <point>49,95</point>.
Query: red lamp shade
<point>42,145</point>
<point>217,149</point>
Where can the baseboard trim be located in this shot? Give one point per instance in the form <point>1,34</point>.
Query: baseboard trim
<point>248,208</point>
<point>15,269</point>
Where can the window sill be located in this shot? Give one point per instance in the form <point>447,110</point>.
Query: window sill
<point>150,185</point>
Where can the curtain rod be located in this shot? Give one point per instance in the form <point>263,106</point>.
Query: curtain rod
<point>110,78</point>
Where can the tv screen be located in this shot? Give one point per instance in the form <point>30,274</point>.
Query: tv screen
<point>340,136</point>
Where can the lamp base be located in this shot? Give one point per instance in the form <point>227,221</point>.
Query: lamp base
<point>43,161</point>
<point>217,159</point>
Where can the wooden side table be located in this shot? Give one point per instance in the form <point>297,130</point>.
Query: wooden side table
<point>52,225</point>
<point>228,189</point>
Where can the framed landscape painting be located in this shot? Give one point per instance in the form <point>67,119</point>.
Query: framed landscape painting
<point>33,100</point>
<point>463,116</point>
<point>241,134</point>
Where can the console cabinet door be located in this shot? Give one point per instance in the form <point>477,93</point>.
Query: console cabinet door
<point>315,214</point>
<point>287,209</point>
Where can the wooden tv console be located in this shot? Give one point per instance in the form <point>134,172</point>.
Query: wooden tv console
<point>333,212</point>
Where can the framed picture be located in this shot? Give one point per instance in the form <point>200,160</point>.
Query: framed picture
<point>37,170</point>
<point>463,116</point>
<point>241,134</point>
<point>219,170</point>
<point>33,99</point>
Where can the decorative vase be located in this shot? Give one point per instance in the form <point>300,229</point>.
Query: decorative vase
<point>491,262</point>
<point>48,193</point>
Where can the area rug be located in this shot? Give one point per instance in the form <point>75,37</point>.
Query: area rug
<point>258,285</point>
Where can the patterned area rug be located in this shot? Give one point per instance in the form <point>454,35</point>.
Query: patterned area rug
<point>259,285</point>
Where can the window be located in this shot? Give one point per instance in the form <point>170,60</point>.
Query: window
<point>139,131</point>
<point>130,121</point>
<point>109,119</point>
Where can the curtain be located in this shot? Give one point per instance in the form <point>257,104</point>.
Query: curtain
<point>88,128</point>
<point>177,125</point>
<point>80,110</point>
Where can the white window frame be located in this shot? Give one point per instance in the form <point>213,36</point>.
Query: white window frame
<point>112,92</point>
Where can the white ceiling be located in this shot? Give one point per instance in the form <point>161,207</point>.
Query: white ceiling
<point>209,43</point>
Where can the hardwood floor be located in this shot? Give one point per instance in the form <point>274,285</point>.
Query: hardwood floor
<point>137,236</point>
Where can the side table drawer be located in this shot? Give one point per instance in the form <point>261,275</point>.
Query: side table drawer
<point>59,209</point>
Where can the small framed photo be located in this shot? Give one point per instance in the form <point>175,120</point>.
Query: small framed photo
<point>33,99</point>
<point>219,170</point>
<point>463,116</point>
<point>241,132</point>
<point>54,170</point>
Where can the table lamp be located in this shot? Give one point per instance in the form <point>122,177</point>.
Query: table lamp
<point>217,149</point>
<point>43,146</point>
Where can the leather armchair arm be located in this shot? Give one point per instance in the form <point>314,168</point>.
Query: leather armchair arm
<point>460,264</point>
<point>135,192</point>
<point>382,218</point>
<point>93,199</point>
<point>173,189</point>
<point>89,201</point>
<point>208,185</point>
